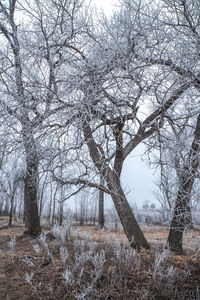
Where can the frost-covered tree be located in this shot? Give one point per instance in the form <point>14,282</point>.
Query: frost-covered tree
<point>177,49</point>
<point>120,101</point>
<point>178,159</point>
<point>182,209</point>
<point>14,102</point>
<point>33,35</point>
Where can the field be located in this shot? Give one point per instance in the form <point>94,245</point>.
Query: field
<point>92,264</point>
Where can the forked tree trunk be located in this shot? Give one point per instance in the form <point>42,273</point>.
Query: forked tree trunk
<point>182,213</point>
<point>132,229</point>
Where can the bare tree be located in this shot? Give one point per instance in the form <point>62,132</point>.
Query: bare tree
<point>116,87</point>
<point>9,30</point>
<point>32,57</point>
<point>182,212</point>
<point>178,50</point>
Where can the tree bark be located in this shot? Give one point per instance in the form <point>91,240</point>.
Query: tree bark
<point>181,217</point>
<point>32,221</point>
<point>182,214</point>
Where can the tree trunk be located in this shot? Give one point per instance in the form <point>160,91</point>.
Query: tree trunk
<point>11,210</point>
<point>50,206</point>
<point>6,209</point>
<point>41,194</point>
<point>24,212</point>
<point>76,212</point>
<point>54,206</point>
<point>182,213</point>
<point>101,207</point>
<point>181,217</point>
<point>132,229</point>
<point>95,212</point>
<point>32,221</point>
<point>15,212</point>
<point>61,214</point>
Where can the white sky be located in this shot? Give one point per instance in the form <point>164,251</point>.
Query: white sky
<point>139,179</point>
<point>106,5</point>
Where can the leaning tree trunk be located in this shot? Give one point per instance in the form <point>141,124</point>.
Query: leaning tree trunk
<point>32,221</point>
<point>132,229</point>
<point>182,213</point>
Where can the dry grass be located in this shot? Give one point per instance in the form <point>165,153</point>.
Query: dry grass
<point>140,278</point>
<point>156,236</point>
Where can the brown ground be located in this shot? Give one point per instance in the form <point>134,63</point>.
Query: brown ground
<point>133,283</point>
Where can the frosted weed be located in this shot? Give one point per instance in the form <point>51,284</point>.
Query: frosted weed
<point>98,260</point>
<point>29,278</point>
<point>63,254</point>
<point>12,243</point>
<point>57,232</point>
<point>43,241</point>
<point>159,260</point>
<point>36,248</point>
<point>68,276</point>
<point>28,262</point>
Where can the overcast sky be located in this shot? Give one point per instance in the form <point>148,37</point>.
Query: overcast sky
<point>107,5</point>
<point>139,179</point>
